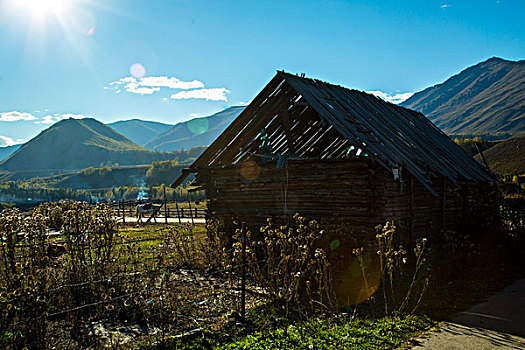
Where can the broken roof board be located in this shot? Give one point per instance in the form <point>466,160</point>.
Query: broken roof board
<point>393,136</point>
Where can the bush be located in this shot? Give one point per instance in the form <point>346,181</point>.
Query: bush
<point>288,264</point>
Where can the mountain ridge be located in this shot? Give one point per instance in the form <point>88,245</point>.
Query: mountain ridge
<point>195,132</point>
<point>138,130</point>
<point>6,151</point>
<point>488,97</point>
<point>73,144</point>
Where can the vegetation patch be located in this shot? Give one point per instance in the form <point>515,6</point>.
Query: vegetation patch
<point>339,331</point>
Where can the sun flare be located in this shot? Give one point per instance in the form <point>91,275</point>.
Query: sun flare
<point>42,8</point>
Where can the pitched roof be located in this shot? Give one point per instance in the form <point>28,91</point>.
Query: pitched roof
<point>393,136</point>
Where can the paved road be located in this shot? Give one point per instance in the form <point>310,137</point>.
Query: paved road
<point>497,324</point>
<point>161,220</point>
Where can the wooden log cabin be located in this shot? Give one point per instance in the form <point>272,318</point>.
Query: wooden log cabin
<point>345,158</point>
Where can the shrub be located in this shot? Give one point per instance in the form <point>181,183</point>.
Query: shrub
<point>288,264</point>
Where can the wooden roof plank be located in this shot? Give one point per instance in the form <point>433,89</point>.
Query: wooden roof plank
<point>235,127</point>
<point>264,115</point>
<point>346,131</point>
<point>391,135</point>
<point>394,118</point>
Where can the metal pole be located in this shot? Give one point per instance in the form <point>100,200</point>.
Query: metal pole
<point>243,275</point>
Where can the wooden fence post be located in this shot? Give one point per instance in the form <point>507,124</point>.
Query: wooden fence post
<point>178,213</point>
<point>165,207</point>
<point>123,212</point>
<point>243,275</point>
<point>191,215</point>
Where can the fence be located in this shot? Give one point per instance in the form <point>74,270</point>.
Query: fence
<point>152,286</point>
<point>174,209</point>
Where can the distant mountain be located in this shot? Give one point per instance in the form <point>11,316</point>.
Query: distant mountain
<point>74,144</point>
<point>139,131</point>
<point>507,157</point>
<point>488,97</point>
<point>6,151</point>
<point>195,132</point>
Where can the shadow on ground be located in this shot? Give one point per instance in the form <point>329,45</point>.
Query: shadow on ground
<point>497,323</point>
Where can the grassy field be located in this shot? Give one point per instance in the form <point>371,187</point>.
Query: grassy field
<point>99,284</point>
<point>179,287</point>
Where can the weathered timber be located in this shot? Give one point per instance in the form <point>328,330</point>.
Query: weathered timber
<point>345,158</point>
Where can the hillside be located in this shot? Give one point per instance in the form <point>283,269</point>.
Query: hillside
<point>6,151</point>
<point>488,97</point>
<point>106,177</point>
<point>195,132</point>
<point>507,157</point>
<point>74,144</point>
<point>163,172</point>
<point>139,131</point>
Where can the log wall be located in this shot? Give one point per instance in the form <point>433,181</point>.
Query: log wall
<point>331,192</point>
<point>348,197</point>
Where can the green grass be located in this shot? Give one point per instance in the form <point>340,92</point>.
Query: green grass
<point>145,240</point>
<point>324,332</point>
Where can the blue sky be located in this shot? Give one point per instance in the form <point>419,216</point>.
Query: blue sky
<point>63,58</point>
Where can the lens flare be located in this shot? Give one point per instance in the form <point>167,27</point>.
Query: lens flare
<point>42,7</point>
<point>250,170</point>
<point>137,70</point>
<point>198,126</point>
<point>358,281</point>
<point>335,244</point>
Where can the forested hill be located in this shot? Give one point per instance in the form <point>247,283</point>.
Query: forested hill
<point>74,144</point>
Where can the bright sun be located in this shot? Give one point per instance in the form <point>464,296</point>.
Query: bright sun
<point>43,7</point>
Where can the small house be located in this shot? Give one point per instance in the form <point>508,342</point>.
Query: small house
<point>345,158</point>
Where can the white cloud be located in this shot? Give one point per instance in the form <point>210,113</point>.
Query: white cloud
<point>137,89</point>
<point>9,141</point>
<point>75,116</point>
<point>15,116</point>
<point>396,99</point>
<point>215,94</point>
<point>241,103</point>
<point>172,83</point>
<point>444,6</point>
<point>52,119</point>
<point>48,119</point>
<point>197,115</point>
<point>150,85</point>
